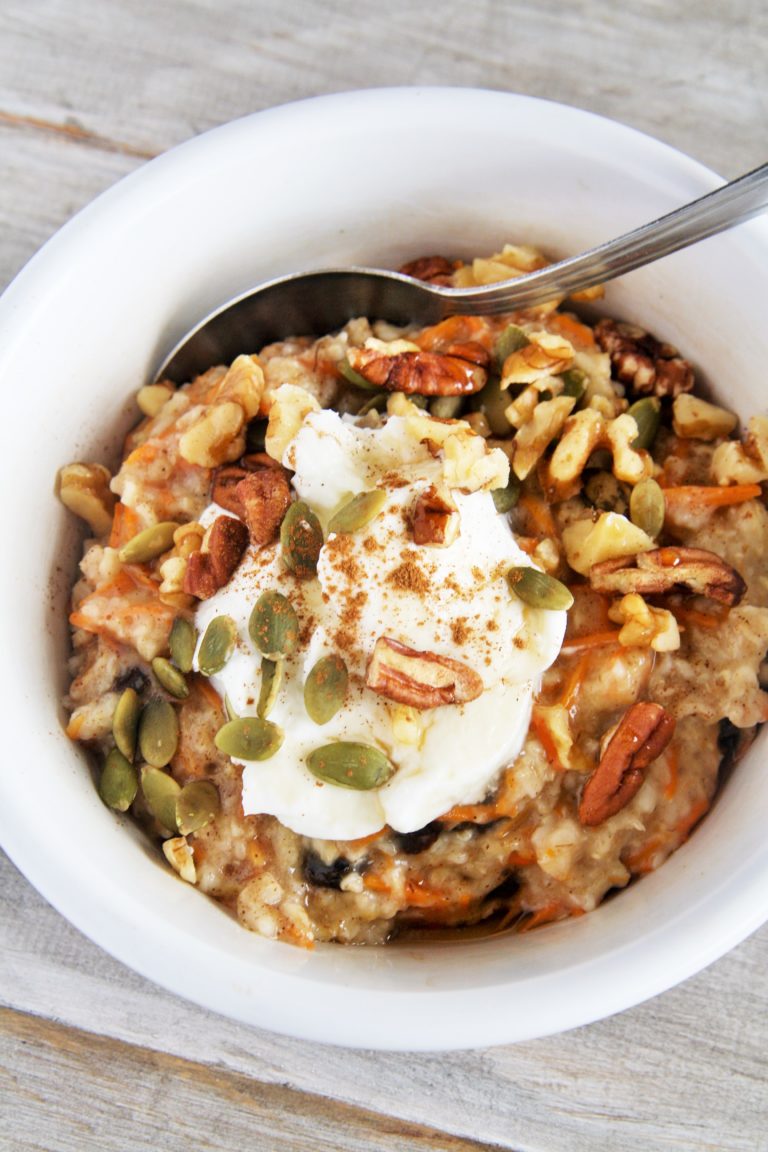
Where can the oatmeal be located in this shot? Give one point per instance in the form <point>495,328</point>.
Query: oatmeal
<point>404,629</point>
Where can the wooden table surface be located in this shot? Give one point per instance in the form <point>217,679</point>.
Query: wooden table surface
<point>91,1055</point>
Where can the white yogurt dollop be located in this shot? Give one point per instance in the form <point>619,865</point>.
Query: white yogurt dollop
<point>452,601</point>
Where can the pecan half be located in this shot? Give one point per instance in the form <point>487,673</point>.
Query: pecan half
<point>435,517</point>
<point>433,269</point>
<point>662,569</point>
<point>226,479</point>
<point>265,496</point>
<point>643,733</point>
<point>419,679</point>
<point>209,570</point>
<point>642,361</point>
<point>458,371</point>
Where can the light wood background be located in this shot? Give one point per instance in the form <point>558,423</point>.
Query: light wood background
<point>91,1055</point>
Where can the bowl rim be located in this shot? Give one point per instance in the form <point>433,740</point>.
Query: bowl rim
<point>398,1021</point>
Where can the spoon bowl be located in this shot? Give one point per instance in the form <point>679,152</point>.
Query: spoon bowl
<point>324,300</point>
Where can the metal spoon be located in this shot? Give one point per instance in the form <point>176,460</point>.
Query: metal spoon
<point>322,301</point>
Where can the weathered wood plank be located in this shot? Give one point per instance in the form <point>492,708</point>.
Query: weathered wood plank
<point>87,1091</point>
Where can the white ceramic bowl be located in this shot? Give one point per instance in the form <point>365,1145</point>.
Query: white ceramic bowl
<point>372,177</point>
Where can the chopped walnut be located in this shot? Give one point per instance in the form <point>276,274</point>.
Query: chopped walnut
<point>644,626</point>
<point>545,355</point>
<point>435,517</point>
<point>640,360</point>
<point>432,269</point>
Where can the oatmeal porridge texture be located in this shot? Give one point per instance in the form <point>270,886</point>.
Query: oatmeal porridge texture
<point>423,629</point>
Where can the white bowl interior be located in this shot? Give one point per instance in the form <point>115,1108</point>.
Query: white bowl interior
<point>374,177</point>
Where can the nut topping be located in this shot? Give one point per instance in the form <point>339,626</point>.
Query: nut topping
<point>643,733</point>
<point>265,496</point>
<point>662,569</point>
<point>435,518</point>
<point>212,567</point>
<point>432,269</point>
<point>420,679</point>
<point>458,371</point>
<point>642,361</point>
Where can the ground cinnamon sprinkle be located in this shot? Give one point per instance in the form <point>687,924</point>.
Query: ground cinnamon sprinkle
<point>460,632</point>
<point>408,577</point>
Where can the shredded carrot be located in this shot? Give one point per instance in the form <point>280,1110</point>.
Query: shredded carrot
<point>551,911</point>
<point>125,525</point>
<point>419,895</point>
<point>591,640</point>
<point>520,859</point>
<point>710,496</point>
<point>375,883</point>
<point>75,727</point>
<point>470,813</point>
<point>361,841</point>
<point>574,682</point>
<point>539,514</point>
<point>541,731</point>
<point>691,819</point>
<point>689,616</point>
<point>579,334</point>
<point>673,763</point>
<point>456,330</point>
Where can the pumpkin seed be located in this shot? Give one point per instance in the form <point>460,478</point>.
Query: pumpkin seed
<point>358,512</point>
<point>119,782</point>
<point>446,407</point>
<point>647,416</point>
<point>538,590</point>
<point>229,708</point>
<point>377,403</point>
<point>217,645</point>
<point>506,498</point>
<point>196,805</point>
<point>574,382</point>
<point>158,733</point>
<point>493,403</point>
<point>170,678</point>
<point>271,679</point>
<point>160,791</point>
<point>125,722</point>
<point>350,765</point>
<point>325,688</point>
<point>249,738</point>
<point>646,507</point>
<point>353,377</point>
<point>149,544</point>
<point>512,339</point>
<point>182,643</point>
<point>301,539</point>
<point>274,625</point>
<point>419,400</point>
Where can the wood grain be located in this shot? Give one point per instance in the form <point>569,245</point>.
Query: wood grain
<point>88,91</point>
<point>147,1100</point>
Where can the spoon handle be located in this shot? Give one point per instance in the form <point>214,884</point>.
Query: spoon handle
<point>735,202</point>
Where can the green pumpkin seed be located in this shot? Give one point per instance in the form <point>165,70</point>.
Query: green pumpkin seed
<point>350,765</point>
<point>271,679</point>
<point>301,539</point>
<point>149,544</point>
<point>358,512</point>
<point>647,415</point>
<point>125,722</point>
<point>377,403</point>
<point>493,403</point>
<point>325,688</point>
<point>160,791</point>
<point>170,678</point>
<point>158,733</point>
<point>446,407</point>
<point>274,625</point>
<point>538,590</point>
<point>355,378</point>
<point>119,782</point>
<point>419,400</point>
<point>506,498</point>
<point>574,383</point>
<point>646,507</point>
<point>512,339</point>
<point>229,709</point>
<point>182,643</point>
<point>217,645</point>
<point>249,738</point>
<point>196,805</point>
